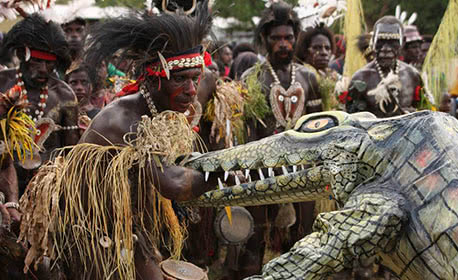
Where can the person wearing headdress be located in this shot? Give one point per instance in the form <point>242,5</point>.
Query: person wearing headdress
<point>287,91</point>
<point>386,86</point>
<point>124,169</point>
<point>364,46</point>
<point>42,50</point>
<point>411,51</point>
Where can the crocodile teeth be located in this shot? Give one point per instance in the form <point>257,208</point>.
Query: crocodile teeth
<point>270,172</point>
<point>226,174</point>
<point>294,168</point>
<point>302,166</point>
<point>285,172</point>
<point>207,174</point>
<point>261,175</point>
<point>247,173</point>
<point>237,180</point>
<point>249,178</point>
<point>220,184</point>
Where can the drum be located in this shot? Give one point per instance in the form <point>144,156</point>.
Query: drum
<point>180,270</point>
<point>239,231</point>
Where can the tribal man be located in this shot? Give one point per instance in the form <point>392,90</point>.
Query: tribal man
<point>75,33</point>
<point>386,86</point>
<point>291,91</point>
<point>42,50</point>
<point>123,170</point>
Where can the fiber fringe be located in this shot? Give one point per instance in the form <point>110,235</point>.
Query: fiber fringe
<point>82,211</point>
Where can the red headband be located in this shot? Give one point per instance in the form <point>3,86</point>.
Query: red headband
<point>43,55</point>
<point>192,60</point>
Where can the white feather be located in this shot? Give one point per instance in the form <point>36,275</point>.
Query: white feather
<point>403,16</point>
<point>412,19</point>
<point>398,11</point>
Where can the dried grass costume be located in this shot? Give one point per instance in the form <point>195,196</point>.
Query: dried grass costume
<point>90,209</point>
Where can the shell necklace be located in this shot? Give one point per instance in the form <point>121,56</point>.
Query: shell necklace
<point>380,72</point>
<point>287,105</point>
<point>41,104</point>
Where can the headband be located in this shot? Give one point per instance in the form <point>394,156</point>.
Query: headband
<point>191,58</point>
<point>42,55</point>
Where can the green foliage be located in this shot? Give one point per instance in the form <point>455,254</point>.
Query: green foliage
<point>429,12</point>
<point>127,3</point>
<point>243,10</point>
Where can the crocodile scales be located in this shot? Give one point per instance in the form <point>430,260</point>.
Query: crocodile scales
<point>394,179</point>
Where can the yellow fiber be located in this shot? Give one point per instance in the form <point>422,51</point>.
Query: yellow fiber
<point>441,60</point>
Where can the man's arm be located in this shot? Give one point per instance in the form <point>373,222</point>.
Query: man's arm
<point>355,100</point>
<point>173,182</point>
<point>69,122</point>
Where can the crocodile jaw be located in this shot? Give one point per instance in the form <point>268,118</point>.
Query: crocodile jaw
<point>304,185</point>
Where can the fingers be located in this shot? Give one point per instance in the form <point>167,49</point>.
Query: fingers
<point>15,215</point>
<point>6,218</point>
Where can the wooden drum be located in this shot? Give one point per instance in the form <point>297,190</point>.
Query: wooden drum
<point>241,229</point>
<point>180,270</point>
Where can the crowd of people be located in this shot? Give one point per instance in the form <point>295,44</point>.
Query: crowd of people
<point>94,87</point>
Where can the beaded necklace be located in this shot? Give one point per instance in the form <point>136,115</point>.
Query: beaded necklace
<point>41,104</point>
<point>192,114</point>
<point>39,113</point>
<point>287,105</point>
<point>380,72</point>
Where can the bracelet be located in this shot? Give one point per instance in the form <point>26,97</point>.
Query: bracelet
<point>14,205</point>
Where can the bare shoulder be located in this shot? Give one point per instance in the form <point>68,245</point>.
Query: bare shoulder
<point>114,121</point>
<point>62,89</point>
<point>365,72</point>
<point>408,68</point>
<point>304,71</point>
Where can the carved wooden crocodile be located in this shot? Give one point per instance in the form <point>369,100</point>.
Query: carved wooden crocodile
<point>395,181</point>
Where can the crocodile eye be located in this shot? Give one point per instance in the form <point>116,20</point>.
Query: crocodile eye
<point>319,124</point>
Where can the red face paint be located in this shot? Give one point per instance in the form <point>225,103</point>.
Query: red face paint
<point>173,102</point>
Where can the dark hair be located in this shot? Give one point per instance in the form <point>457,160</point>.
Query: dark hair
<point>243,61</point>
<point>81,68</point>
<point>242,47</point>
<point>77,20</point>
<point>142,37</point>
<point>363,42</point>
<point>279,13</point>
<point>36,33</point>
<point>305,39</point>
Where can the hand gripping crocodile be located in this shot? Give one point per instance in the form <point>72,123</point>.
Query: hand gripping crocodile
<point>395,180</point>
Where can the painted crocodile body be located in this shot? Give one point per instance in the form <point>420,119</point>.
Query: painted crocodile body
<point>395,181</point>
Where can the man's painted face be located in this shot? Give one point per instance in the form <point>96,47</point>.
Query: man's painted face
<point>319,52</point>
<point>35,72</point>
<point>412,53</point>
<point>280,44</point>
<point>387,50</point>
<point>178,93</point>
<point>81,85</point>
<point>75,34</point>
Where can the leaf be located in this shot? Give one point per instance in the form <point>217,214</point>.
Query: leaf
<point>359,85</point>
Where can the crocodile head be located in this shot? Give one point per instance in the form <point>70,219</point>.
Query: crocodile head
<point>326,155</point>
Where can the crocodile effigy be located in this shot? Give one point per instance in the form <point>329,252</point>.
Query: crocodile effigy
<point>394,179</point>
